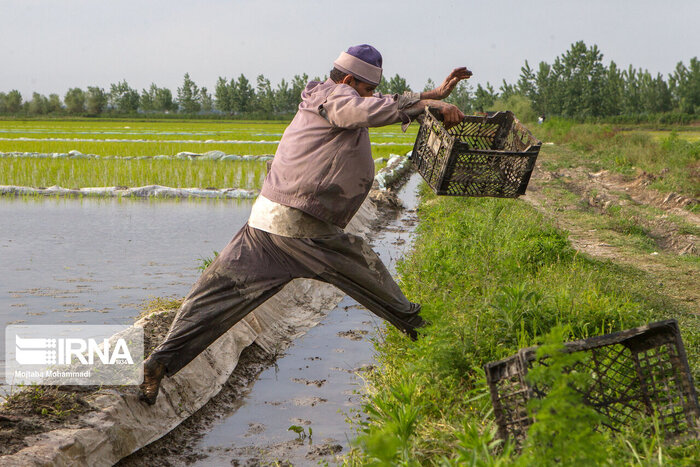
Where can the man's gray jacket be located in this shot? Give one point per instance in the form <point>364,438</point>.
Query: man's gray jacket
<point>323,165</point>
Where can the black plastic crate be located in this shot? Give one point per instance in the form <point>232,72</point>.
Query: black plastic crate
<point>481,156</point>
<point>640,371</point>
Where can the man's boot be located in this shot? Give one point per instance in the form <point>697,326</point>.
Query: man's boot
<point>417,323</point>
<point>153,372</point>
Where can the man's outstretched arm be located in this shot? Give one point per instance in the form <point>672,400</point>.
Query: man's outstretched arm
<point>444,90</point>
<point>451,114</point>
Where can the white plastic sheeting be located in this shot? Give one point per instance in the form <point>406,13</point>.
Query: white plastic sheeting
<point>394,170</point>
<point>74,154</point>
<point>139,192</point>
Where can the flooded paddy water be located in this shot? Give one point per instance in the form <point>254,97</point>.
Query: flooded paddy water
<point>96,260</point>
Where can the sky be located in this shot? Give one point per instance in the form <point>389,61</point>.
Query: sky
<point>49,46</point>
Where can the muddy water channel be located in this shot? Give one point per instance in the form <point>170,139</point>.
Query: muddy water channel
<point>313,387</point>
<point>95,261</point>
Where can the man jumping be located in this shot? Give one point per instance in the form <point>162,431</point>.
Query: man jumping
<point>321,173</point>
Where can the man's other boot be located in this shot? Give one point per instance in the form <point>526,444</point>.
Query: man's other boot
<point>153,373</point>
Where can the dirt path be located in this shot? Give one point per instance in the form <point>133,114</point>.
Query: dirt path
<point>619,218</point>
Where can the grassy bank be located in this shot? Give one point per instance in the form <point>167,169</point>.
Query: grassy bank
<point>494,276</point>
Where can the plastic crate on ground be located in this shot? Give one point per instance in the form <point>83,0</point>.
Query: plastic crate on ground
<point>640,371</point>
<point>481,156</point>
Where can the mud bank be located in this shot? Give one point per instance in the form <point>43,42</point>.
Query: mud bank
<point>149,191</point>
<point>119,424</point>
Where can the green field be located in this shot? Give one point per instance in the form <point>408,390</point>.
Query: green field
<point>670,157</point>
<point>132,138</point>
<point>497,275</point>
<point>688,134</point>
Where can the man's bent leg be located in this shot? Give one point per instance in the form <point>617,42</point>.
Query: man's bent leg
<point>349,263</point>
<point>246,273</point>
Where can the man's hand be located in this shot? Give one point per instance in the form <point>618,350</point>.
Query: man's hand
<point>450,113</point>
<point>444,90</point>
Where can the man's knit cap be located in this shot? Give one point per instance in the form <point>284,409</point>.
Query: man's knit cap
<point>364,62</point>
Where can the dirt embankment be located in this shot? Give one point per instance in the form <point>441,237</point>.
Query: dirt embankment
<point>41,409</point>
<point>605,213</point>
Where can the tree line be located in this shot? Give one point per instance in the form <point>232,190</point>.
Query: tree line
<point>576,85</point>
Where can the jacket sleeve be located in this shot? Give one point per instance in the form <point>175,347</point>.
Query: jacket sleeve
<point>344,108</point>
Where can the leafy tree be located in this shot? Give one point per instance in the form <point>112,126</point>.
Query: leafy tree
<point>654,92</point>
<point>188,96</point>
<point>123,97</point>
<point>429,85</point>
<point>95,100</point>
<point>685,86</point>
<point>614,91</point>
<point>75,101</point>
<point>545,88</point>
<point>222,96</point>
<point>242,95</point>
<point>536,86</point>
<point>484,97</point>
<point>205,100</point>
<point>284,97</point>
<point>398,85</point>
<point>146,98</point>
<point>163,100</point>
<point>39,105</point>
<point>508,90</point>
<point>13,101</point>
<point>578,77</point>
<point>298,86</point>
<point>3,103</point>
<point>54,104</point>
<point>264,97</point>
<point>631,98</point>
<point>527,83</point>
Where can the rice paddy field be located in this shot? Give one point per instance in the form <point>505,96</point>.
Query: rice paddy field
<point>127,151</point>
<point>692,136</point>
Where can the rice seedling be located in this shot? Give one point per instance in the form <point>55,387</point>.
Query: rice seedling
<point>80,173</point>
<point>127,139</point>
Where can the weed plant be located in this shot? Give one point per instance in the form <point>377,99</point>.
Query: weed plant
<point>494,276</point>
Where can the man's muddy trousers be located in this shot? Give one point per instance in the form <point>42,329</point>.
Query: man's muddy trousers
<point>255,265</point>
